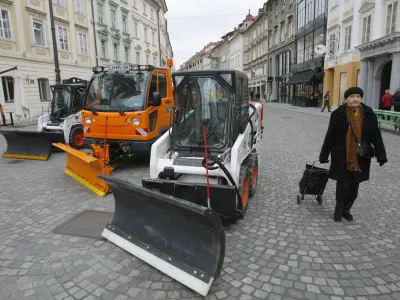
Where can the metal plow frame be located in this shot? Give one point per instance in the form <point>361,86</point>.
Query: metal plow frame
<point>35,145</point>
<point>185,241</point>
<point>85,169</point>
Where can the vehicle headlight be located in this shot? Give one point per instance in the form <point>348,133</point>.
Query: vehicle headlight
<point>135,121</point>
<point>87,120</point>
<point>128,121</point>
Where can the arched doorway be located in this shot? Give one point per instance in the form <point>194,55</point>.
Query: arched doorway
<point>385,80</point>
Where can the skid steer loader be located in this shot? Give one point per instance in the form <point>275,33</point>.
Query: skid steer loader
<point>127,108</point>
<point>202,171</point>
<point>61,124</point>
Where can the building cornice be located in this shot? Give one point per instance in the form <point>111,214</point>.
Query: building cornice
<point>379,42</point>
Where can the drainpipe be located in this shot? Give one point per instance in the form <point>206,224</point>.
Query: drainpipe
<point>94,35</point>
<point>53,34</point>
<point>158,29</point>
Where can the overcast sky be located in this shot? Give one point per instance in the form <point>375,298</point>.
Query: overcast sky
<point>189,35</point>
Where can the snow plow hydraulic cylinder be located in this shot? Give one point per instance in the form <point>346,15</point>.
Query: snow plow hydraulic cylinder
<point>34,145</point>
<point>184,240</point>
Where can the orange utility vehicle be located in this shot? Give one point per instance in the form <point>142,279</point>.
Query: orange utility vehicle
<point>127,108</point>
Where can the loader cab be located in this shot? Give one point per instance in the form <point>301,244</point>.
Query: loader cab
<point>215,98</point>
<point>67,98</point>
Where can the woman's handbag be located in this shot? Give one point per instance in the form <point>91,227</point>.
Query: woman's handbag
<point>364,149</point>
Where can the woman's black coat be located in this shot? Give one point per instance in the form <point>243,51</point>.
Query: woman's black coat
<point>335,144</point>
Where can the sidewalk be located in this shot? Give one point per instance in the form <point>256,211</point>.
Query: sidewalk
<point>316,111</point>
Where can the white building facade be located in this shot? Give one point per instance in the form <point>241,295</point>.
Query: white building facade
<point>363,47</point>
<point>133,31</point>
<point>26,46</point>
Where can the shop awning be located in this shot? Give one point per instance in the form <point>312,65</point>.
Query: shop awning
<point>301,77</point>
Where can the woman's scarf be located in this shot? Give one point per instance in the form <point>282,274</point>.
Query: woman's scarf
<point>355,119</point>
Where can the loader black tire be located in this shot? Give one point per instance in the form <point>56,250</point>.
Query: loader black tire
<point>252,164</point>
<point>76,137</point>
<point>244,186</point>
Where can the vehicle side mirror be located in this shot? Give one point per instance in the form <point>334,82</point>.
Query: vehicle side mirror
<point>156,99</point>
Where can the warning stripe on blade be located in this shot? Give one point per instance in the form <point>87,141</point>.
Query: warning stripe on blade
<point>141,131</point>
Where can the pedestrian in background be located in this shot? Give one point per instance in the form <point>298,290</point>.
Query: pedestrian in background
<point>326,102</point>
<point>396,102</point>
<point>387,102</point>
<point>351,124</point>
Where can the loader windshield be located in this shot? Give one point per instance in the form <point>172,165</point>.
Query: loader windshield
<point>110,91</point>
<point>202,101</point>
<point>61,103</point>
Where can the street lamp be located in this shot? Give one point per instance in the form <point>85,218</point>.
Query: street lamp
<point>53,34</point>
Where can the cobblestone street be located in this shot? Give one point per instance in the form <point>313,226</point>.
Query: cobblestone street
<point>280,250</point>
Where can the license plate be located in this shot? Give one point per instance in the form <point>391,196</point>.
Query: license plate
<point>119,67</point>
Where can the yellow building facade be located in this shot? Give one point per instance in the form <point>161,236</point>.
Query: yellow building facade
<point>339,78</point>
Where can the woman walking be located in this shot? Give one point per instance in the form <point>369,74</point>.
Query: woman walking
<point>352,129</point>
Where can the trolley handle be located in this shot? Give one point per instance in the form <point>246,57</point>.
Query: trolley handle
<point>317,161</point>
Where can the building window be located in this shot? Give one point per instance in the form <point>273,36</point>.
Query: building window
<point>319,7</point>
<point>44,89</point>
<point>290,27</point>
<point>301,14</point>
<point>154,60</point>
<point>124,23</point>
<point>60,2</point>
<point>83,44</point>
<point>246,58</point>
<point>366,29</point>
<point>318,39</point>
<point>116,52</point>
<point>103,49</point>
<point>147,59</point>
<point>144,8</point>
<point>113,18</point>
<point>137,57</point>
<point>127,54</point>
<point>300,50</point>
<point>134,4</point>
<point>135,29</point>
<point>152,13</point>
<point>282,32</point>
<point>146,39</point>
<point>62,38</point>
<point>5,26</point>
<point>347,38</point>
<point>80,7</point>
<point>391,18</point>
<point>100,12</point>
<point>38,32</point>
<point>153,37</point>
<point>8,88</point>
<point>308,49</point>
<point>276,36</point>
<point>309,11</point>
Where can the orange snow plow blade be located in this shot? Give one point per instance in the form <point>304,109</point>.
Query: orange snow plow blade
<point>84,168</point>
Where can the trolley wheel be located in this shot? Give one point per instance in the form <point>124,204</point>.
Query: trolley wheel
<point>298,199</point>
<point>253,176</point>
<point>319,199</point>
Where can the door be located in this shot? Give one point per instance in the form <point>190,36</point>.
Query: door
<point>343,86</point>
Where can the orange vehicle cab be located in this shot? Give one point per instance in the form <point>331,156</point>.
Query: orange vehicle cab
<point>127,107</point>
